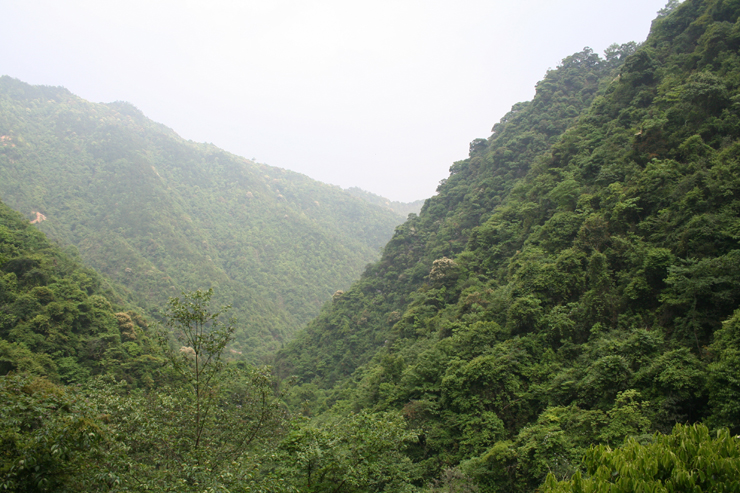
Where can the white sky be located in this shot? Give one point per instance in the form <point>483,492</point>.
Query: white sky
<point>380,94</point>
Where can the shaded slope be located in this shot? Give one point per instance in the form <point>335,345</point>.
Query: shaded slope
<point>159,214</point>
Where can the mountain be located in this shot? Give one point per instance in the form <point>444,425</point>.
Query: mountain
<point>464,201</point>
<point>158,214</point>
<point>573,282</point>
<point>403,209</point>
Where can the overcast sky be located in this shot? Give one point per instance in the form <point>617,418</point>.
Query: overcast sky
<point>383,95</point>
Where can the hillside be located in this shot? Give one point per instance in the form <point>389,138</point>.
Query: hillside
<point>573,281</point>
<point>159,214</point>
<point>61,320</point>
<point>475,188</point>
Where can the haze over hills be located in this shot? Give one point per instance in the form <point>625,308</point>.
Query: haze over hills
<point>403,209</point>
<point>158,214</point>
<point>563,316</point>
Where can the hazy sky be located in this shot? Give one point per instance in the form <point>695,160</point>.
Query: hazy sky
<point>384,95</point>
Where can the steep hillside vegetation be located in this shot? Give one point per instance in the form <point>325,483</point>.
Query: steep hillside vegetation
<point>475,188</point>
<point>59,319</point>
<point>160,215</point>
<point>569,283</point>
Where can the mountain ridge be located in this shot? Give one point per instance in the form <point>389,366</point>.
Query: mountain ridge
<point>159,214</point>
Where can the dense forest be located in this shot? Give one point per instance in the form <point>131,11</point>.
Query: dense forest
<point>562,316</point>
<point>61,320</point>
<point>573,282</point>
<point>158,214</point>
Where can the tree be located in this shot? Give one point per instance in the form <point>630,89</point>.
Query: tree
<point>209,429</point>
<point>203,338</point>
<point>359,453</point>
<point>50,436</point>
<point>689,459</point>
<point>724,376</point>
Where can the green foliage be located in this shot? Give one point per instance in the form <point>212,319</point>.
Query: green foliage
<point>49,436</point>
<point>570,290</point>
<point>474,189</point>
<point>56,316</point>
<point>689,459</point>
<point>724,376</point>
<point>574,280</point>
<point>159,215</point>
<point>131,423</point>
<point>162,444</point>
<point>219,410</point>
<point>209,428</point>
<point>202,338</point>
<point>359,453</point>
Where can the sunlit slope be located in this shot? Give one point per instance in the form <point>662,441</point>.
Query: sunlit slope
<point>574,281</point>
<point>160,214</point>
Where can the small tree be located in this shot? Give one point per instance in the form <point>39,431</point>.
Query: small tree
<point>209,430</point>
<point>202,338</point>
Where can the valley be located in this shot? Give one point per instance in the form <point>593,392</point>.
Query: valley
<point>561,316</point>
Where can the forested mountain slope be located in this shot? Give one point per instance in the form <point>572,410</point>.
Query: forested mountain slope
<point>61,320</point>
<point>159,214</point>
<point>573,282</point>
<point>475,188</point>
